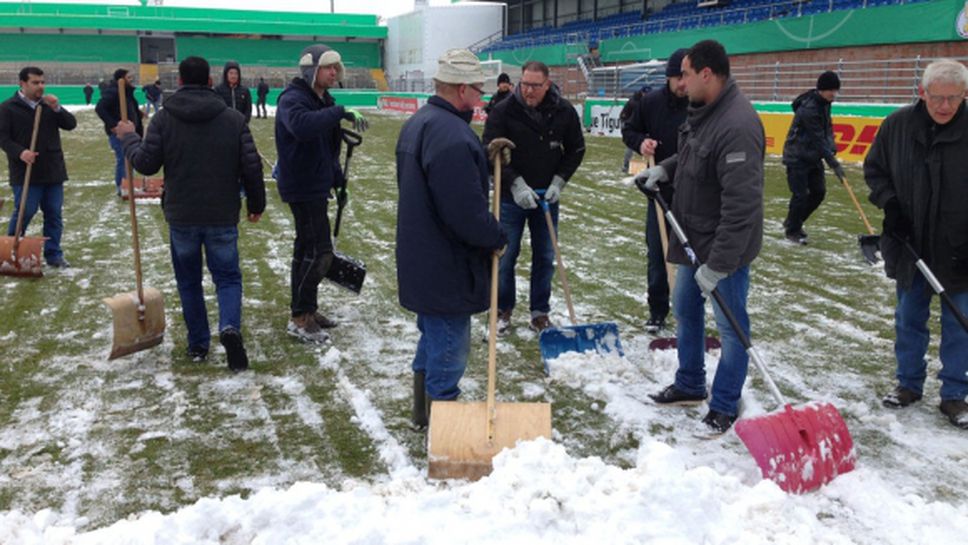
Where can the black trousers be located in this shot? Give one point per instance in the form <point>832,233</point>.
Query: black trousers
<point>260,108</point>
<point>312,253</point>
<point>809,189</point>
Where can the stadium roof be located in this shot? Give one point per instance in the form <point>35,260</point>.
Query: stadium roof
<point>171,19</point>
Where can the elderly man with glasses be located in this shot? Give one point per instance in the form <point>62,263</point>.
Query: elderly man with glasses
<point>917,170</point>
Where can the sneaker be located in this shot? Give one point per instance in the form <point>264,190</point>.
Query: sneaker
<point>957,412</point>
<point>797,238</point>
<point>503,322</point>
<point>900,397</point>
<point>324,322</point>
<point>674,396</point>
<point>59,263</point>
<point>654,324</point>
<point>541,323</point>
<point>197,353</point>
<point>717,422</point>
<point>305,328</point>
<point>231,340</point>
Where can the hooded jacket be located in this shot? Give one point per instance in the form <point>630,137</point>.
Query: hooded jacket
<point>205,148</point>
<point>811,135</point>
<point>16,126</point>
<point>238,97</point>
<point>548,139</point>
<point>109,109</point>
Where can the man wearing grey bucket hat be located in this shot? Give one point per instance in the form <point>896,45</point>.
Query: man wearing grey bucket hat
<point>445,233</point>
<point>308,137</point>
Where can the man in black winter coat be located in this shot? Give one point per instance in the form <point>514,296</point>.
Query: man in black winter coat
<point>109,110</point>
<point>88,93</point>
<point>205,148</point>
<point>153,95</point>
<point>235,95</point>
<point>810,140</point>
<point>262,91</point>
<point>917,169</point>
<point>549,146</point>
<point>49,172</point>
<point>503,91</point>
<point>652,130</point>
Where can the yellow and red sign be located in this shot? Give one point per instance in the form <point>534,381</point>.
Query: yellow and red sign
<point>853,135</point>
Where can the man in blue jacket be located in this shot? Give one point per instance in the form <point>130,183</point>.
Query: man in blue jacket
<point>308,137</point>
<point>445,233</point>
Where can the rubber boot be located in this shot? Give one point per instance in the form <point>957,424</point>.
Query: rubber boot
<point>421,403</point>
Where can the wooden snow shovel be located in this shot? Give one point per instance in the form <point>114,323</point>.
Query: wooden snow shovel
<point>464,437</point>
<point>139,316</point>
<point>800,449</point>
<point>149,188</point>
<point>346,271</point>
<point>870,244</point>
<point>20,255</point>
<point>601,337</point>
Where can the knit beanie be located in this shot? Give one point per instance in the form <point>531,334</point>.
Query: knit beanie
<point>674,64</point>
<point>828,81</point>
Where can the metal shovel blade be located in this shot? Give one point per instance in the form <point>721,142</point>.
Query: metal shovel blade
<point>149,188</point>
<point>800,449</point>
<point>134,330</point>
<point>28,261</point>
<point>347,272</point>
<point>601,338</point>
<point>870,246</point>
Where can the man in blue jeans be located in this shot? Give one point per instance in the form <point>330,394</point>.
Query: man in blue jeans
<point>718,177</point>
<point>446,236</point>
<point>917,170</point>
<point>49,171</point>
<point>549,147</point>
<point>205,148</point>
<point>109,110</point>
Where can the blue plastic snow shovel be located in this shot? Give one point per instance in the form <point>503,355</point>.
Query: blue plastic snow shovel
<point>554,341</point>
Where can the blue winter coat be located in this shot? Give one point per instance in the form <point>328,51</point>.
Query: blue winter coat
<point>446,234</point>
<point>307,143</point>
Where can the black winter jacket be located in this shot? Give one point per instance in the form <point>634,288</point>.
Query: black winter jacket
<point>238,97</point>
<point>262,90</point>
<point>656,115</point>
<point>924,166</point>
<point>495,99</point>
<point>16,126</point>
<point>548,140</point>
<point>109,109</point>
<point>445,231</point>
<point>811,135</point>
<point>205,148</point>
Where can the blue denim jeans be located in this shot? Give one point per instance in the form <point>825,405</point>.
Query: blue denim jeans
<point>911,326</point>
<point>689,306</point>
<point>50,200</point>
<point>442,352</point>
<point>658,279</point>
<point>119,173</point>
<point>222,257</point>
<point>513,220</point>
<point>149,104</point>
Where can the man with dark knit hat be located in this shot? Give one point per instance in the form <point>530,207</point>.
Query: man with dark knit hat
<point>652,130</point>
<point>810,141</point>
<point>503,91</point>
<point>308,138</point>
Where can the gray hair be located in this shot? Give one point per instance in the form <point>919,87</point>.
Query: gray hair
<point>945,71</point>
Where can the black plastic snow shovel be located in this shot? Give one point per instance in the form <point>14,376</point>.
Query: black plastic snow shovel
<point>346,271</point>
<point>800,449</point>
<point>870,244</point>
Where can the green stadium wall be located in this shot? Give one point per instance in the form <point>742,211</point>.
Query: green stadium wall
<point>933,21</point>
<point>40,48</point>
<point>273,52</point>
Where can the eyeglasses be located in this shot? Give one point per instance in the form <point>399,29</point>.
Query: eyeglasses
<point>480,90</point>
<point>938,100</point>
<point>533,85</point>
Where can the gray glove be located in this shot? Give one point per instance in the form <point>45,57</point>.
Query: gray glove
<point>524,196</point>
<point>707,279</point>
<point>648,180</point>
<point>553,193</point>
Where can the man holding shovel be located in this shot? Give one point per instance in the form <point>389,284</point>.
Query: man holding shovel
<point>109,110</point>
<point>205,148</point>
<point>718,176</point>
<point>446,235</point>
<point>653,131</point>
<point>917,169</point>
<point>49,172</point>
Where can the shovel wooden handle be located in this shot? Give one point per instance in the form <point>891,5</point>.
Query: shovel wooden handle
<point>26,189</point>
<point>492,315</point>
<point>561,264</point>
<point>664,237</point>
<point>863,216</point>
<point>123,103</point>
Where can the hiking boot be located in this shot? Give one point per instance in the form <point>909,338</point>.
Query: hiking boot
<point>541,323</point>
<point>797,238</point>
<point>900,397</point>
<point>503,322</point>
<point>323,322</point>
<point>957,412</point>
<point>674,396</point>
<point>305,328</point>
<point>654,324</point>
<point>197,353</point>
<point>231,340</point>
<point>717,422</point>
<point>59,263</point>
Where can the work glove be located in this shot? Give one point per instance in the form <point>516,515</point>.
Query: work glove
<point>707,279</point>
<point>553,193</point>
<point>838,169</point>
<point>502,146</point>
<point>360,124</point>
<point>524,196</point>
<point>648,180</point>
<point>895,222</point>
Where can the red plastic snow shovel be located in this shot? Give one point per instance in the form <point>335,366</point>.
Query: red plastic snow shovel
<point>800,449</point>
<point>20,255</point>
<point>870,244</point>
